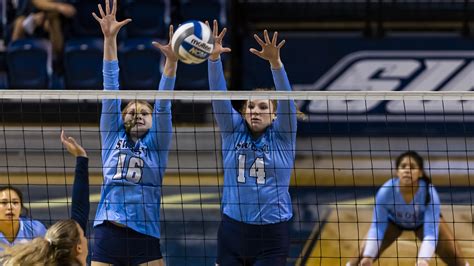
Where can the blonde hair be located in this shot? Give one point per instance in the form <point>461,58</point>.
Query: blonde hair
<point>129,126</point>
<point>58,247</point>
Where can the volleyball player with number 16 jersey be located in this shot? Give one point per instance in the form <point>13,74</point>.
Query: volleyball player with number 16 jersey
<point>258,149</point>
<point>135,145</point>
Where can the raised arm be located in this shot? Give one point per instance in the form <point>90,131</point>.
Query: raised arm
<point>430,227</point>
<point>110,120</point>
<point>80,190</point>
<point>285,122</point>
<point>162,113</point>
<point>110,28</point>
<point>224,113</point>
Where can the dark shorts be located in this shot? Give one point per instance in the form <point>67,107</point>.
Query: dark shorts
<point>123,246</point>
<point>247,244</point>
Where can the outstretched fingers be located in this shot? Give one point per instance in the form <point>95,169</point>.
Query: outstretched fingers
<point>96,17</point>
<point>63,136</point>
<point>107,7</point>
<point>171,33</point>
<point>101,11</point>
<point>275,37</point>
<point>256,52</point>
<point>259,41</point>
<point>215,29</point>
<point>158,45</point>
<point>280,45</point>
<point>114,7</point>
<point>222,34</point>
<point>265,35</point>
<point>124,22</point>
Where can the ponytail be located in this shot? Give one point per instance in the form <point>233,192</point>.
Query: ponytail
<point>58,247</point>
<point>34,252</point>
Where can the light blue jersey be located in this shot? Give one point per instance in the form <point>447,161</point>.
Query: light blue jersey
<point>133,172</point>
<point>256,171</point>
<point>391,207</point>
<point>29,229</point>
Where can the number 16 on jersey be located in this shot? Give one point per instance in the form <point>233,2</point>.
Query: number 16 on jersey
<point>257,169</point>
<point>133,170</point>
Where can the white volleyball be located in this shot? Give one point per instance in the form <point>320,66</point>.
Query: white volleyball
<point>193,42</point>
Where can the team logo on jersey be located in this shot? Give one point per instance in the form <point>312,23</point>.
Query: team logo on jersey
<point>244,145</point>
<point>141,150</point>
<point>395,71</point>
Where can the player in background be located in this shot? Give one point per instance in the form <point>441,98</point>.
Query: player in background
<point>409,202</point>
<point>258,149</point>
<point>15,224</point>
<point>135,145</point>
<point>64,242</point>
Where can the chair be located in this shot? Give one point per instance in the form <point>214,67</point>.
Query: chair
<point>139,65</point>
<point>192,77</point>
<point>29,64</point>
<point>83,64</point>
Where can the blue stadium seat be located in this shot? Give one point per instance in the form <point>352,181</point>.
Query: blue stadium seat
<point>149,18</point>
<point>203,10</point>
<point>192,77</point>
<point>139,65</point>
<point>27,62</point>
<point>83,64</point>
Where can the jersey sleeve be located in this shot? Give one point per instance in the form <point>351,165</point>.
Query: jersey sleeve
<point>430,226</point>
<point>162,126</point>
<point>80,193</point>
<point>227,118</point>
<point>285,123</point>
<point>110,120</point>
<point>39,229</point>
<point>379,224</point>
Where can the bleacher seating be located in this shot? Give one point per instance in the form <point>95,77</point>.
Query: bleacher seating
<point>83,58</point>
<point>83,64</point>
<point>28,64</point>
<point>139,65</point>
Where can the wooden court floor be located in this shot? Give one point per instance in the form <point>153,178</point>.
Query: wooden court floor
<point>339,237</point>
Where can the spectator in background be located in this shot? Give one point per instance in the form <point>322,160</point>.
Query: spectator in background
<point>43,18</point>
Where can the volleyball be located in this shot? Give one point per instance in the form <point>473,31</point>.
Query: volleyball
<point>192,42</point>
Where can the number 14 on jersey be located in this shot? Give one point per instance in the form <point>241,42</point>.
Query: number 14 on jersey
<point>257,169</point>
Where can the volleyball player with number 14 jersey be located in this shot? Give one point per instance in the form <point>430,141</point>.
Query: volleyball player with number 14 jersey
<point>258,149</point>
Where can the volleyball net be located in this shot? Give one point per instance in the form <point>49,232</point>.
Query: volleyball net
<point>346,149</point>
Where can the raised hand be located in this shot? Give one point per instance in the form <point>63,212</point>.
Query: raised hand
<point>270,49</point>
<point>218,37</point>
<point>72,146</point>
<point>166,49</point>
<point>108,23</point>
